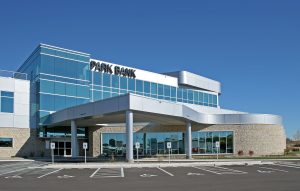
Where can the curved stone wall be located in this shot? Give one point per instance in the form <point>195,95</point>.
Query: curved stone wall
<point>261,139</point>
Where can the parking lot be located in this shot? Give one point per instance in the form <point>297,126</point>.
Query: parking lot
<point>32,176</point>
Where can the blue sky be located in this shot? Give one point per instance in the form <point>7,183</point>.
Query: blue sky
<point>251,47</point>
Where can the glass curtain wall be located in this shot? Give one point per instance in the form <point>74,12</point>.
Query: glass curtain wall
<point>106,85</point>
<point>150,143</point>
<point>155,143</point>
<point>204,142</point>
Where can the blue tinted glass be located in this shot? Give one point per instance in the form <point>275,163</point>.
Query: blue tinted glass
<point>190,95</point>
<point>7,104</point>
<point>201,100</point>
<point>106,80</point>
<point>97,78</point>
<point>106,95</point>
<point>196,97</point>
<point>46,86</point>
<point>139,86</point>
<point>7,94</point>
<point>215,100</point>
<point>81,101</point>
<point>184,94</point>
<point>71,69</point>
<point>167,90</point>
<point>153,88</point>
<point>179,93</point>
<point>83,91</point>
<point>71,89</point>
<point>47,64</point>
<point>60,102</point>
<point>123,83</point>
<point>147,87</point>
<point>160,89</point>
<point>97,95</point>
<point>60,88</point>
<point>70,101</point>
<point>115,81</point>
<point>173,92</point>
<point>205,98</point>
<point>210,100</point>
<point>47,102</point>
<point>83,71</point>
<point>60,67</point>
<point>131,84</point>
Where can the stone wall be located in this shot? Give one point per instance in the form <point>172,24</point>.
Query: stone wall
<point>25,143</point>
<point>261,139</point>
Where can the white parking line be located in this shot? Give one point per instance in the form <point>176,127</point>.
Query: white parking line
<point>274,169</point>
<point>14,171</point>
<point>50,173</point>
<point>165,171</point>
<point>231,170</point>
<point>206,170</point>
<point>290,166</point>
<point>122,172</point>
<point>11,164</point>
<point>95,173</point>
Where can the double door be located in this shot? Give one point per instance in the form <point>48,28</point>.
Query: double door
<point>62,148</point>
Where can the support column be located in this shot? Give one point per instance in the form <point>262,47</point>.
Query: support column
<point>74,139</point>
<point>129,136</point>
<point>188,140</point>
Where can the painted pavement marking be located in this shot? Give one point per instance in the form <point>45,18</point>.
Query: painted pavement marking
<point>168,173</point>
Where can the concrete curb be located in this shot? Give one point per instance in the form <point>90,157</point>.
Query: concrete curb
<point>16,160</point>
<point>152,165</point>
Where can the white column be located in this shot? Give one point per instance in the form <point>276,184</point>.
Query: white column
<point>129,135</point>
<point>74,139</point>
<point>188,140</point>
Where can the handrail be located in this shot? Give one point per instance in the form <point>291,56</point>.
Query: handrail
<point>12,74</point>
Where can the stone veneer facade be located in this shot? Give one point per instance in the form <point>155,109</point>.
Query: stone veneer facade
<point>261,139</point>
<point>25,142</point>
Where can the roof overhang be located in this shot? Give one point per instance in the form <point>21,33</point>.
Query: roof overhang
<point>146,109</point>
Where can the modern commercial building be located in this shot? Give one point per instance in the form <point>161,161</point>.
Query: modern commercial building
<point>66,97</point>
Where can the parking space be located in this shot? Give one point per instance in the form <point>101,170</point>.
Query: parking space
<point>279,176</point>
<point>36,171</point>
<point>16,168</point>
<point>146,172</point>
<point>108,173</point>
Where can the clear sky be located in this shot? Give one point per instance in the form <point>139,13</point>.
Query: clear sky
<point>251,47</point>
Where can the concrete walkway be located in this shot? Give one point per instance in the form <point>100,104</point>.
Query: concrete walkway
<point>156,164</point>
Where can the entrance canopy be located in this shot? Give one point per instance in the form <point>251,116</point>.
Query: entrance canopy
<point>112,110</point>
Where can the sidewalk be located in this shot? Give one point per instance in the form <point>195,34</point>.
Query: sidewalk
<point>173,163</point>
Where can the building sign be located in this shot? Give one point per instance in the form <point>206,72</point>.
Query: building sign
<point>112,69</point>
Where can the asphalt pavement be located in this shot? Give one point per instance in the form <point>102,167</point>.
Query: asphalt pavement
<point>282,175</point>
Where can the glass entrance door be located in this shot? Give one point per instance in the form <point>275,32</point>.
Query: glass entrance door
<point>62,148</point>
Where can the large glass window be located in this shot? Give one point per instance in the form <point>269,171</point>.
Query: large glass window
<point>115,81</point>
<point>7,102</point>
<point>207,142</point>
<point>146,88</point>
<point>131,84</point>
<point>139,86</point>
<point>153,89</point>
<point>106,80</point>
<point>47,86</point>
<point>160,90</point>
<point>150,143</point>
<point>123,83</point>
<point>6,142</point>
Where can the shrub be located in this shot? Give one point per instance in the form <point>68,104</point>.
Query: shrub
<point>251,153</point>
<point>240,153</point>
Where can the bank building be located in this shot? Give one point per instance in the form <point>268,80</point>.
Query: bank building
<point>67,97</point>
